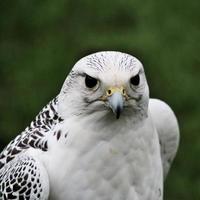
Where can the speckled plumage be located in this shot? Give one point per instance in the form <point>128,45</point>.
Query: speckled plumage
<point>34,135</point>
<point>18,173</point>
<point>76,149</point>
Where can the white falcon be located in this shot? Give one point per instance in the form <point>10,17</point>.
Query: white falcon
<point>101,138</point>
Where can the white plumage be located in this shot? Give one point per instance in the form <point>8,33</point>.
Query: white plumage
<point>101,138</point>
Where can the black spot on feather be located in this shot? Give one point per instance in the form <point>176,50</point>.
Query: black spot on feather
<point>58,135</point>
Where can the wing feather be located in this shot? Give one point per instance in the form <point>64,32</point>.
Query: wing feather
<point>168,131</point>
<point>24,178</point>
<point>34,135</point>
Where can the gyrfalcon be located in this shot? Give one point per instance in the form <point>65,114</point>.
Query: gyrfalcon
<point>101,138</point>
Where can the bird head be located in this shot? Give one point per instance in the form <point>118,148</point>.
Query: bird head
<point>105,84</point>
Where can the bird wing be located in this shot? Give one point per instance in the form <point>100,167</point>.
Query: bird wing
<point>168,131</point>
<point>34,135</point>
<point>24,178</point>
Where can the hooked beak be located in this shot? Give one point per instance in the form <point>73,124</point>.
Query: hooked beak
<point>115,98</point>
<point>116,103</point>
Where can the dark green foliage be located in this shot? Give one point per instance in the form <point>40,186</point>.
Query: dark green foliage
<point>41,40</point>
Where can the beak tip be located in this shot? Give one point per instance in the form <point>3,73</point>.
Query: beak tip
<point>118,112</point>
<point>116,104</point>
<point>117,116</point>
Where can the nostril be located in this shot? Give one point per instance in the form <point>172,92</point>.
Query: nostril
<point>109,91</point>
<point>123,91</point>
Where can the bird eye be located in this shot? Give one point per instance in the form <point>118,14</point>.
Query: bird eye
<point>90,82</point>
<point>135,80</point>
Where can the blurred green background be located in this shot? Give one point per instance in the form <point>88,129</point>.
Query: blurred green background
<point>41,40</point>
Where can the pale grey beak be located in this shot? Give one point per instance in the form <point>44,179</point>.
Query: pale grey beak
<point>116,103</point>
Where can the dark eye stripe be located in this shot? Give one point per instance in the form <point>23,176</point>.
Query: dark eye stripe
<point>135,80</point>
<point>90,82</point>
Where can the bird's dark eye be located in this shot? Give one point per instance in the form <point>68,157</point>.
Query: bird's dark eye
<point>90,82</point>
<point>135,80</point>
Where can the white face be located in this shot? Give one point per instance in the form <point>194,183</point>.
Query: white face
<point>105,83</point>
